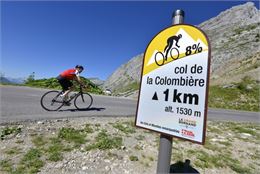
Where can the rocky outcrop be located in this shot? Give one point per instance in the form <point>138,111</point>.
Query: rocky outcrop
<point>234,37</point>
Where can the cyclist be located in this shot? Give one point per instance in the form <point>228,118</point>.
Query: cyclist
<point>65,79</point>
<point>170,43</point>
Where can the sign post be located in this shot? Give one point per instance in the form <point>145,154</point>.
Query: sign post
<point>165,146</point>
<point>174,87</point>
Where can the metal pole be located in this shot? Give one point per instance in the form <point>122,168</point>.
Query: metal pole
<point>165,152</point>
<point>178,17</point>
<point>165,148</point>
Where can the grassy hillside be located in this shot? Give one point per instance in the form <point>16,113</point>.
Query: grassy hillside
<point>52,83</point>
<point>244,95</point>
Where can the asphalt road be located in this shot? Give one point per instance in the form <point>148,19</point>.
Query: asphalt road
<point>23,103</point>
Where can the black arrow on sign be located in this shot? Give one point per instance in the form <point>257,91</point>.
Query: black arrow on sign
<point>155,97</point>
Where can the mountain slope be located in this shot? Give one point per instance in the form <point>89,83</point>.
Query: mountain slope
<point>125,76</point>
<point>234,38</point>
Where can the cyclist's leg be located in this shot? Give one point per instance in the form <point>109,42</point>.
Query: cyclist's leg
<point>169,46</point>
<point>61,81</point>
<point>66,87</point>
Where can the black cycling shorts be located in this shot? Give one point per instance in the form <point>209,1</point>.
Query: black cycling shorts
<point>65,83</point>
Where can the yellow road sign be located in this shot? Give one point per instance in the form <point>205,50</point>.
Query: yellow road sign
<point>174,84</point>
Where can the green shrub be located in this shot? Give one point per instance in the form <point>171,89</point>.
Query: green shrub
<point>8,131</point>
<point>53,83</point>
<point>105,141</point>
<point>72,135</point>
<point>127,128</point>
<point>244,83</point>
<point>133,158</point>
<point>31,162</point>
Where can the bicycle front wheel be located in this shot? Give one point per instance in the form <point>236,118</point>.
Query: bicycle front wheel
<point>83,101</point>
<point>51,101</point>
<point>174,53</point>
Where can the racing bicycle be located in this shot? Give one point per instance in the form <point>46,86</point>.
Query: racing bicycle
<point>53,101</point>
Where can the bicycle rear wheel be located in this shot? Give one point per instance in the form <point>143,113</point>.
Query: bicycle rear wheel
<point>159,58</point>
<point>51,101</point>
<point>83,101</point>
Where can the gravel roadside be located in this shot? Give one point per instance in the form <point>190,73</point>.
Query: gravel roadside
<point>114,145</point>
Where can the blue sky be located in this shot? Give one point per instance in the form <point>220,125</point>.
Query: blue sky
<point>48,37</point>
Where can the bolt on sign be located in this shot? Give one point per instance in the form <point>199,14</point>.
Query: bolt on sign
<point>174,84</point>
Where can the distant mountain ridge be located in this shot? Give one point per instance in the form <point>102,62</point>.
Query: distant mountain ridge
<point>10,80</point>
<point>234,38</point>
<point>4,80</point>
<point>96,81</point>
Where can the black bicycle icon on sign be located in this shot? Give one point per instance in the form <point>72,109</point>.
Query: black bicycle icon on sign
<point>161,57</point>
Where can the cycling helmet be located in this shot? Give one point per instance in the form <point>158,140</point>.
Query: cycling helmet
<point>179,35</point>
<point>79,66</point>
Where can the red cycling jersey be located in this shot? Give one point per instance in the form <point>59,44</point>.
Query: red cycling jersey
<point>69,74</point>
